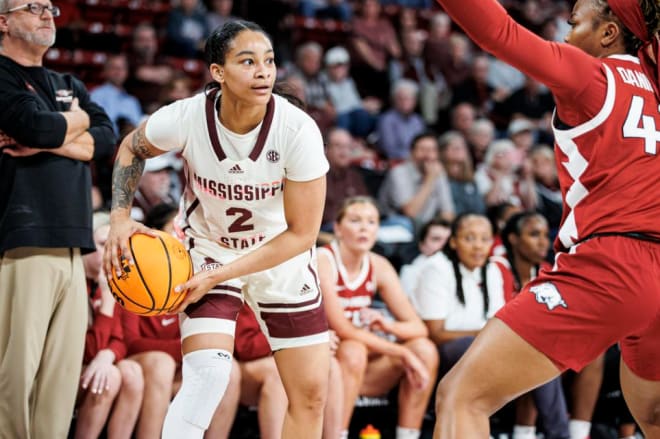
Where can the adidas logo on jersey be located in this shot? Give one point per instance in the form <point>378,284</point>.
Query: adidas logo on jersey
<point>305,290</point>
<point>235,170</point>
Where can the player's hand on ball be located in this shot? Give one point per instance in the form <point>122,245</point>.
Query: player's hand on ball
<point>197,286</point>
<point>116,247</point>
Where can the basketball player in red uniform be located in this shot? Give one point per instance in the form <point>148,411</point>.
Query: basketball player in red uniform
<point>525,238</point>
<point>605,283</point>
<point>372,364</point>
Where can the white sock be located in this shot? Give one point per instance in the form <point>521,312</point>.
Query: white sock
<point>205,379</point>
<point>343,434</point>
<point>407,433</point>
<point>628,437</point>
<point>579,429</point>
<point>524,432</point>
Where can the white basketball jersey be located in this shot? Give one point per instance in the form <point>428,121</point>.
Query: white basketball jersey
<point>234,187</point>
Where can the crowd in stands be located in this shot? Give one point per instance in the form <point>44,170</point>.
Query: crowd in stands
<point>444,155</point>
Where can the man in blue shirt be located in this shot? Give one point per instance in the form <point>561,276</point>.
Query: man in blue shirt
<point>116,102</point>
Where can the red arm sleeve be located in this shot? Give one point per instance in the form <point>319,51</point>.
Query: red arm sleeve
<point>117,344</point>
<point>575,78</point>
<point>97,337</point>
<point>142,334</point>
<point>104,333</point>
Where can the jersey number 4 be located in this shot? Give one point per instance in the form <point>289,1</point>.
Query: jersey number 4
<point>647,131</point>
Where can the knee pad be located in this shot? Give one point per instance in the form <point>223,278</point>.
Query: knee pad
<point>205,379</point>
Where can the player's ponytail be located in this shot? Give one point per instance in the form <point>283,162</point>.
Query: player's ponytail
<point>640,21</point>
<point>289,92</point>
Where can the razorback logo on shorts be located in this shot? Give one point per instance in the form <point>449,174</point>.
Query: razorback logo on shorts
<point>547,293</point>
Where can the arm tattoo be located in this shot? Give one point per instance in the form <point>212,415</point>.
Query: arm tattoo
<point>125,180</point>
<point>139,146</point>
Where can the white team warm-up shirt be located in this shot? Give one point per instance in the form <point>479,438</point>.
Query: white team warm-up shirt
<point>435,297</point>
<point>235,181</point>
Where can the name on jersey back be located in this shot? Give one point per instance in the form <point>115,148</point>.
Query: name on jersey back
<point>635,78</point>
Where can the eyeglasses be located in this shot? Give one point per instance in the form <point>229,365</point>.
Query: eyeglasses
<point>37,9</point>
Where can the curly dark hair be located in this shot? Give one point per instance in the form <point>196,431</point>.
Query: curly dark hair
<point>651,11</point>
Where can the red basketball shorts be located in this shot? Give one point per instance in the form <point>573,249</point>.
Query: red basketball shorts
<point>605,290</point>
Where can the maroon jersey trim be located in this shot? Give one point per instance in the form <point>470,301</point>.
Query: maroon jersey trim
<point>291,305</point>
<point>227,288</point>
<point>213,132</point>
<point>192,207</point>
<point>263,132</point>
<point>219,306</point>
<point>295,324</point>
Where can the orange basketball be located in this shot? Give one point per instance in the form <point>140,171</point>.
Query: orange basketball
<point>147,288</point>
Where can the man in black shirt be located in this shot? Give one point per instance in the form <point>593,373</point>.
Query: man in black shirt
<point>50,130</point>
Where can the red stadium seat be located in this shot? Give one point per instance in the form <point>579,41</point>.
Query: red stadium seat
<point>89,58</point>
<point>192,67</point>
<point>135,12</point>
<point>58,57</point>
<point>327,33</point>
<point>99,11</point>
<point>69,13</point>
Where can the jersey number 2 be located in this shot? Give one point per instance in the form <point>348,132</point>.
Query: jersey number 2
<point>239,224</point>
<point>647,131</point>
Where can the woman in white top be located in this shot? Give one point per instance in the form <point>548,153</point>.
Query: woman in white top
<point>253,163</point>
<point>458,289</point>
<point>432,237</point>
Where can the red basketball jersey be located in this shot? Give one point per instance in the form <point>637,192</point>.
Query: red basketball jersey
<point>606,147</point>
<point>511,290</point>
<point>103,332</point>
<point>608,166</point>
<point>250,343</point>
<point>155,333</point>
<point>354,294</point>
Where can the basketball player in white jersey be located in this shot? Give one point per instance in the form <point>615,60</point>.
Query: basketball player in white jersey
<point>250,214</point>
